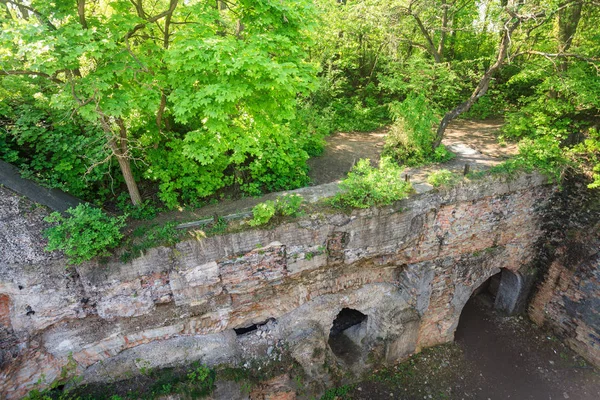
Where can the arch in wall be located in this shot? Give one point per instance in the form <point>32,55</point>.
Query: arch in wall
<point>508,291</point>
<point>346,334</point>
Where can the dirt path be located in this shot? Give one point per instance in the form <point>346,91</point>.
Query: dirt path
<point>342,152</point>
<point>474,143</point>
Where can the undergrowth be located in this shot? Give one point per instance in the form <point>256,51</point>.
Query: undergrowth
<point>367,186</point>
<point>443,177</point>
<point>84,233</point>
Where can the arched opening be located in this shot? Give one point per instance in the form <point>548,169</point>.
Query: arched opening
<point>505,292</point>
<point>488,290</point>
<point>346,334</point>
<point>497,348</point>
<point>472,317</point>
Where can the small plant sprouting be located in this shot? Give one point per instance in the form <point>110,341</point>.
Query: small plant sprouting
<point>443,177</point>
<point>286,205</point>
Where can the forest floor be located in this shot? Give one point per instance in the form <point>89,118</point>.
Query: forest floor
<point>493,357</point>
<point>473,142</point>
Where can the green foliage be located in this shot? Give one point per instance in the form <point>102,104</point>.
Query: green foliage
<point>47,146</point>
<point>208,106</point>
<point>437,84</point>
<point>367,186</point>
<point>148,236</point>
<point>143,211</point>
<point>85,233</point>
<point>543,154</point>
<point>410,139</point>
<point>553,121</point>
<point>289,204</point>
<point>443,177</point>
<point>262,213</point>
<point>195,381</point>
<point>202,380</point>
<point>338,393</point>
<point>235,99</point>
<point>286,205</point>
<point>587,154</point>
<point>493,104</point>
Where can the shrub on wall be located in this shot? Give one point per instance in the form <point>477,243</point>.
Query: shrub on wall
<point>286,205</point>
<point>367,186</point>
<point>85,233</point>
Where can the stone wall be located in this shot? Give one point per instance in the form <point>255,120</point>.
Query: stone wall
<point>410,268</point>
<point>568,298</point>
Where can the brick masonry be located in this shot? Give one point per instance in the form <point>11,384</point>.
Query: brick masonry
<point>409,267</point>
<point>568,297</point>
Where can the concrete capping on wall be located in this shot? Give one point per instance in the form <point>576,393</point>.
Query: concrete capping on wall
<point>55,199</point>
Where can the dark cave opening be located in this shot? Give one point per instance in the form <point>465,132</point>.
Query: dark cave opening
<point>345,333</point>
<point>251,328</point>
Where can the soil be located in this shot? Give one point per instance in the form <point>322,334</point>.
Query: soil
<point>494,357</point>
<point>474,142</point>
<point>343,150</point>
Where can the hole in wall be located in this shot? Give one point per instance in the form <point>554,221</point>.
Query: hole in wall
<point>349,328</point>
<point>500,292</point>
<point>29,311</point>
<point>251,328</point>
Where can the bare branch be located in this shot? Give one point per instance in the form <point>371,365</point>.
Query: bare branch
<point>560,55</point>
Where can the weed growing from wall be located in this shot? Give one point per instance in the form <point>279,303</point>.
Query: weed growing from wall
<point>443,177</point>
<point>367,186</point>
<point>287,205</point>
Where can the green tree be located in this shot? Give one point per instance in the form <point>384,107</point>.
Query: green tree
<point>200,78</point>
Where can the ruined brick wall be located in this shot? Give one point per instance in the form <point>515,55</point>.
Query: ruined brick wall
<point>409,267</point>
<point>568,297</point>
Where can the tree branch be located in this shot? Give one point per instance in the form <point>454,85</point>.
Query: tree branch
<point>81,13</point>
<point>559,55</point>
<point>52,78</point>
<point>35,12</point>
<point>172,6</point>
<point>484,82</point>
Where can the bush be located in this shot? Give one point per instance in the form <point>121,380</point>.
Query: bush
<point>286,205</point>
<point>367,186</point>
<point>410,138</point>
<point>443,177</point>
<point>143,211</point>
<point>262,213</point>
<point>86,233</point>
<point>202,380</point>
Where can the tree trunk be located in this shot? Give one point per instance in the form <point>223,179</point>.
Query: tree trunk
<point>482,86</point>
<point>430,44</point>
<point>442,43</point>
<point>567,21</point>
<point>120,151</point>
<point>132,188</point>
